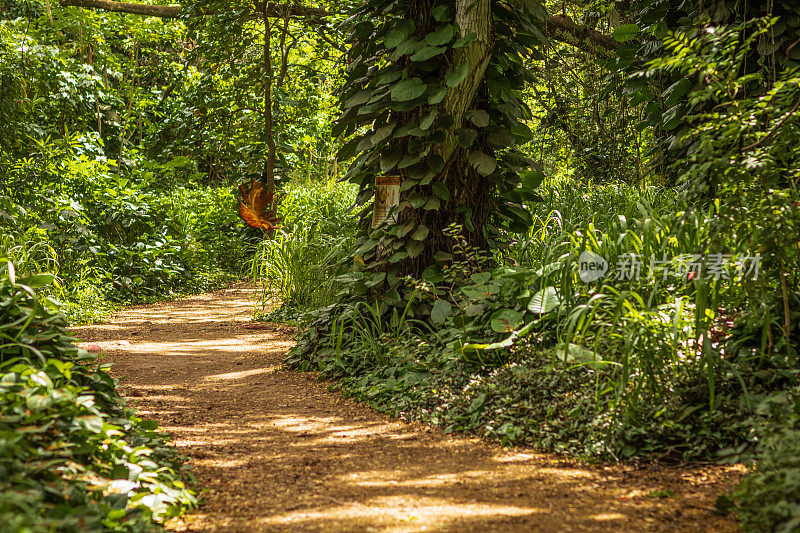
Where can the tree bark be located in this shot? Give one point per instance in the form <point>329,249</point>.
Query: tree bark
<point>558,27</point>
<point>563,29</point>
<point>471,196</point>
<point>272,9</point>
<point>269,138</point>
<point>472,16</point>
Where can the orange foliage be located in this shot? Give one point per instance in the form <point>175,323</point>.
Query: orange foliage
<point>253,208</point>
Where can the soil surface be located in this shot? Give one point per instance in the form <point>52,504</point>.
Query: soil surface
<point>275,451</point>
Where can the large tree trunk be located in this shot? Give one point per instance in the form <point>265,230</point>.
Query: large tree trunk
<point>471,197</point>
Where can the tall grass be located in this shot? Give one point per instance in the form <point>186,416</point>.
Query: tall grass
<point>298,264</point>
<point>653,332</point>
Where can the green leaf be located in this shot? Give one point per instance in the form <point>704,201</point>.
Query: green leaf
<point>411,46</point>
<point>544,301</point>
<point>442,13</point>
<point>432,203</point>
<point>465,40</point>
<point>675,91</point>
<point>417,201</point>
<point>414,248</point>
<point>408,160</point>
<point>382,133</point>
<point>388,76</point>
<point>457,75</point>
<point>433,274</point>
<point>575,353</point>
<point>404,229</point>
<point>501,138</point>
<point>625,33</point>
<point>420,233</point>
<point>435,162</point>
<point>536,9</point>
<point>427,53</point>
<point>397,36</point>
<point>389,159</point>
<point>441,36</point>
<point>671,118</point>
<point>441,190</point>
<point>480,118</point>
<point>408,90</point>
<point>485,164</point>
<point>348,150</point>
<point>506,320</point>
<point>360,98</point>
<point>438,96</point>
<point>532,179</point>
<point>427,120</point>
<point>466,137</point>
<point>521,131</point>
<point>37,281</point>
<point>441,310</point>
<point>399,256</point>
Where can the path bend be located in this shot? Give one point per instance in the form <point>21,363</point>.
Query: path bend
<point>275,451</point>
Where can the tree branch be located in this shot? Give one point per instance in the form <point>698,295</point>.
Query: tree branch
<point>559,27</point>
<point>563,29</point>
<point>174,11</point>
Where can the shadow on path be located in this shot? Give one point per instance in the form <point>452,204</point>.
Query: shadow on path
<point>275,451</point>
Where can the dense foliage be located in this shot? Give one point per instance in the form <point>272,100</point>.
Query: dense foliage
<point>657,141</point>
<point>73,457</point>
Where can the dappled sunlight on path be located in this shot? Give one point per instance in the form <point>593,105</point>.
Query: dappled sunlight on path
<point>275,451</point>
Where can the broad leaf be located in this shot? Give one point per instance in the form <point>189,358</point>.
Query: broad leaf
<point>408,90</point>
<point>506,320</point>
<point>480,118</point>
<point>485,164</point>
<point>441,36</point>
<point>544,301</point>
<point>390,158</point>
<point>438,96</point>
<point>441,310</point>
<point>625,33</point>
<point>457,75</point>
<point>427,53</point>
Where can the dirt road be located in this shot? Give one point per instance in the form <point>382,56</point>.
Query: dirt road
<point>275,451</point>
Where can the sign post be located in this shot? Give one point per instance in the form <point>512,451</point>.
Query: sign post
<point>387,196</point>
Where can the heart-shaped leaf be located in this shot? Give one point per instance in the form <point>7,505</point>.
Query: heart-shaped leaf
<point>441,36</point>
<point>457,75</point>
<point>485,164</point>
<point>408,90</point>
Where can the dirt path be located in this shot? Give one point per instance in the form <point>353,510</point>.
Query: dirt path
<point>274,451</point>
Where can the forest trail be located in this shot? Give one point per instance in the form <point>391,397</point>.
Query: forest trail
<point>275,451</point>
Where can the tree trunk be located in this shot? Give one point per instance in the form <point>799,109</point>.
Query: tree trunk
<point>269,138</point>
<point>470,202</point>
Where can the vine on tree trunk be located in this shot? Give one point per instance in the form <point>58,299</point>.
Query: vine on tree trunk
<point>433,95</point>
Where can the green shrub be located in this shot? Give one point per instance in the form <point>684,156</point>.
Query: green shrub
<point>770,496</point>
<point>72,456</point>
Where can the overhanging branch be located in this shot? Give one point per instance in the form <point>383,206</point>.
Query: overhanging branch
<point>563,29</point>
<point>558,27</point>
<point>174,11</point>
